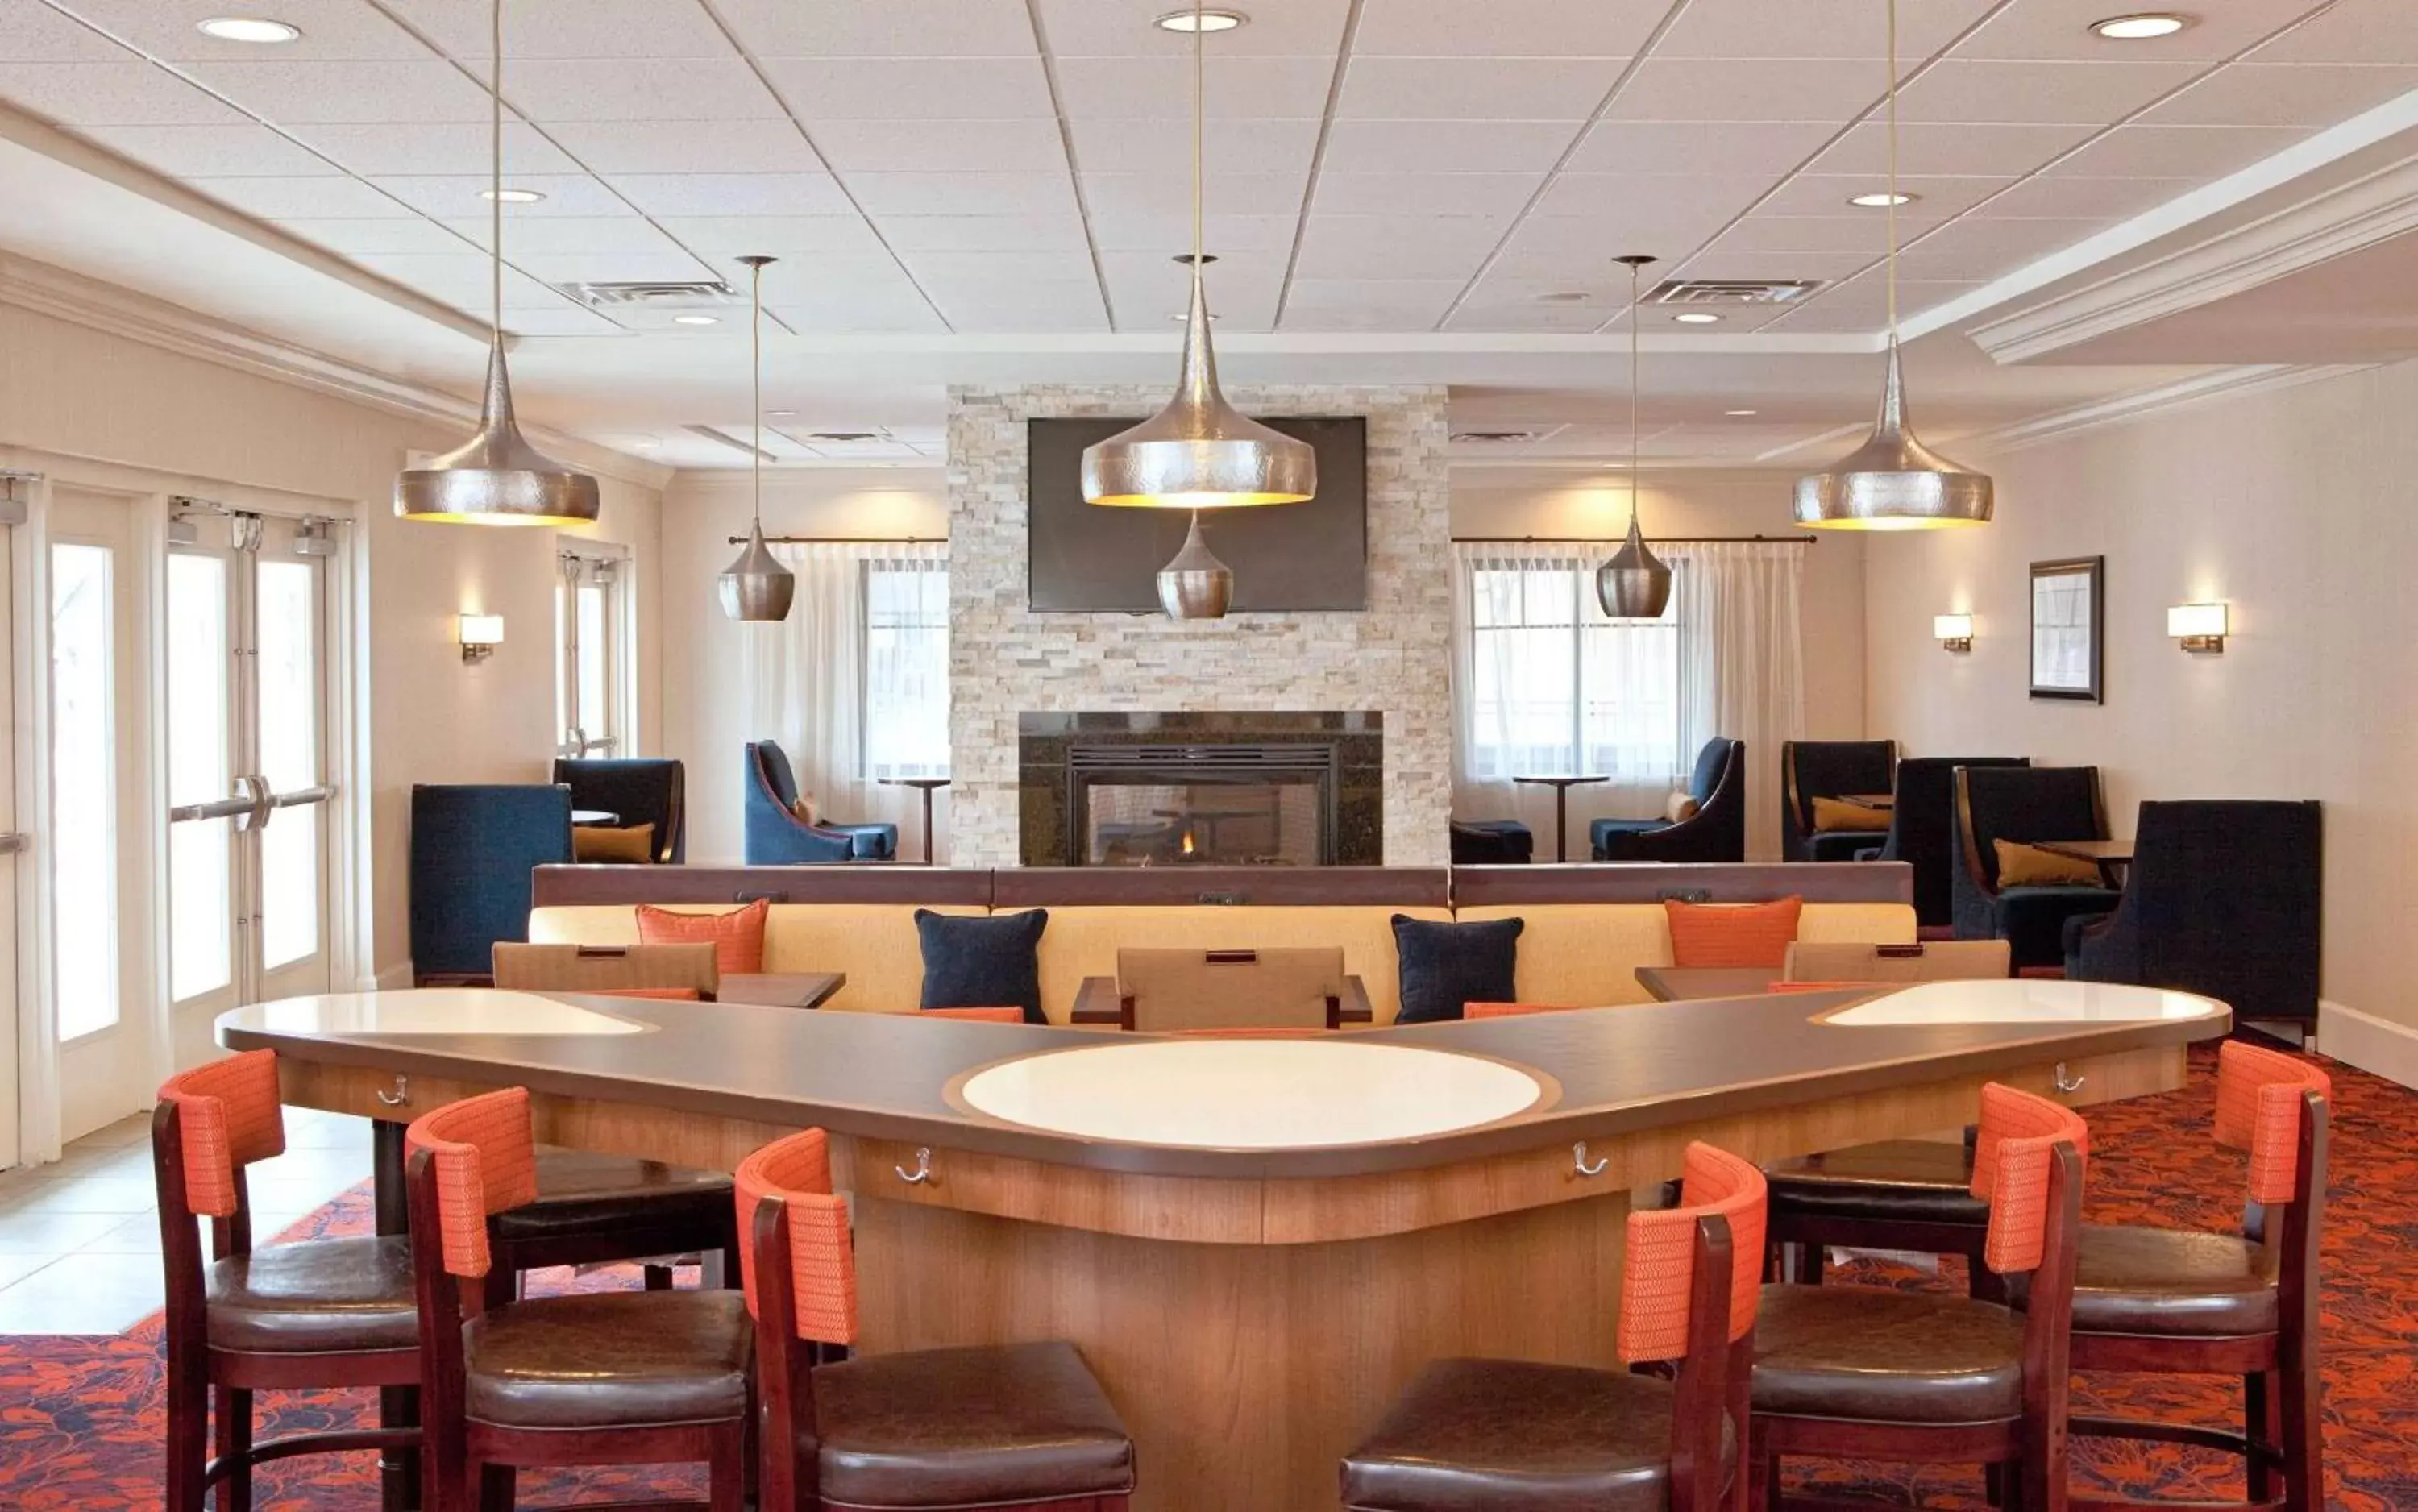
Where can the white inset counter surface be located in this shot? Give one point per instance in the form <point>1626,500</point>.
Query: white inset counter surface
<point>1252,1094</point>
<point>2023,1002</point>
<point>433,1010</point>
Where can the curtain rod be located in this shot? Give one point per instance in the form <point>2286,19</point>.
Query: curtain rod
<point>847,540</point>
<point>1607,541</point>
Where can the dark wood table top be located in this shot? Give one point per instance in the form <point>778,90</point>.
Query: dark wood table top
<point>1614,1071</point>
<point>781,989</point>
<point>605,816</point>
<point>1097,1002</point>
<point>1673,983</point>
<point>1562,781</point>
<point>926,782</point>
<point>2107,852</point>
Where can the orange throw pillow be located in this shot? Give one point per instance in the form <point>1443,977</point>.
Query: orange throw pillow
<point>1732,934</point>
<point>2021,865</point>
<point>595,843</point>
<point>1838,814</point>
<point>737,937</point>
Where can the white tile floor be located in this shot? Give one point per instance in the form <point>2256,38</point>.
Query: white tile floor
<point>79,1238</point>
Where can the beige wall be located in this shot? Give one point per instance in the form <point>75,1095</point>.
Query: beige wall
<point>69,392</point>
<point>2294,507</point>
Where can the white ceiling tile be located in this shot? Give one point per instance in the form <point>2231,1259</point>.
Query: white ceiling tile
<point>892,28</point>
<point>1507,28</point>
<point>1935,199</point>
<point>1497,193</point>
<point>1672,197</point>
<point>560,320</point>
<point>980,89</point>
<point>797,275</point>
<point>1125,29</point>
<point>1976,248</point>
<point>1405,246</point>
<point>2061,29</point>
<point>1810,29</point>
<point>1367,304</point>
<point>960,270</point>
<point>2065,196</point>
<point>1720,262</point>
<point>556,29</point>
<point>693,147</point>
<point>396,93</point>
<point>670,264</point>
<point>1061,231</point>
<point>1223,193</point>
<point>1444,146</point>
<point>2201,152</point>
<point>461,280</point>
<point>1561,246</point>
<point>1741,149</point>
<point>1147,299</point>
<point>1490,315</point>
<point>1024,145</point>
<point>434,147</point>
<point>1975,149</point>
<point>661,91</point>
<point>349,237</point>
<point>1009,306</point>
<point>332,30</point>
<point>1237,88</point>
<point>884,195</point>
<point>2092,94</point>
<point>287,199</point>
<point>1690,89</point>
<point>461,197</point>
<point>569,234</point>
<point>659,195</point>
<point>2352,31</point>
<point>1863,304</point>
<point>1164,146</point>
<point>1475,89</point>
<point>1806,234</point>
<point>38,34</point>
<point>2250,94</point>
<point>110,94</point>
<point>1167,228</point>
<point>191,151</point>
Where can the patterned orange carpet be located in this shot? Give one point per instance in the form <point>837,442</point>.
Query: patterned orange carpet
<point>80,1418</point>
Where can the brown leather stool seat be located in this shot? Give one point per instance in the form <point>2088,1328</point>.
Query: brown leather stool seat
<point>632,1359</point>
<point>1517,1436</point>
<point>977,1427</point>
<point>579,1192</point>
<point>1896,1181</point>
<point>1898,1356</point>
<point>2172,1283</point>
<point>318,1297</point>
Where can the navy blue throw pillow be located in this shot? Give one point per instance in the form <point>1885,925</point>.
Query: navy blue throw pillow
<point>1447,965</point>
<point>971,961</point>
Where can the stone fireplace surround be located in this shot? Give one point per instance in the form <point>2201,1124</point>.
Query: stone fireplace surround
<point>1392,659</point>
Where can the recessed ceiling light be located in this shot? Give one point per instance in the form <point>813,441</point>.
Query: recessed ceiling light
<point>1564,297</point>
<point>696,320</point>
<point>513,196</point>
<point>780,414</point>
<point>249,29</point>
<point>1209,20</point>
<point>1695,317</point>
<point>1881,201</point>
<point>1738,414</point>
<point>2141,28</point>
<point>646,446</point>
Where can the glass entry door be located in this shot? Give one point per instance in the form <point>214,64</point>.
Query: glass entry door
<point>249,789</point>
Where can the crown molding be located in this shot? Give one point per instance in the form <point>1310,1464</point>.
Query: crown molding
<point>2206,388</point>
<point>44,289</point>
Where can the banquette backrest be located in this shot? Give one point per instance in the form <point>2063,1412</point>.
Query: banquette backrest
<point>1588,927</point>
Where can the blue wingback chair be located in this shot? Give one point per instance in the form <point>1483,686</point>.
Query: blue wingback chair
<point>1827,769</point>
<point>2222,899</point>
<point>1922,831</point>
<point>643,790</point>
<point>2025,804</point>
<point>775,837</point>
<point>472,850</point>
<point>1717,832</point>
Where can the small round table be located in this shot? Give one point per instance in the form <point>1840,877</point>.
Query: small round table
<point>926,785</point>
<point>1561,786</point>
<point>605,816</point>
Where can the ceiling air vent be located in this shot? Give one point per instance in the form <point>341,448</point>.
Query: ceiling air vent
<point>654,293</point>
<point>847,435</point>
<point>1493,437</point>
<point>1720,291</point>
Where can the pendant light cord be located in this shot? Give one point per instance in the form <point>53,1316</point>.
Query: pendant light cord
<point>1199,110</point>
<point>495,176</point>
<point>1893,169</point>
<point>1633,395</point>
<point>755,368</point>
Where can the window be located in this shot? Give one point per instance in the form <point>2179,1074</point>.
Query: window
<point>1557,689</point>
<point>906,684</point>
<point>588,659</point>
<point>84,792</point>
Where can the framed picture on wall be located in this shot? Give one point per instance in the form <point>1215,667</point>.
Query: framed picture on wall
<point>2069,606</point>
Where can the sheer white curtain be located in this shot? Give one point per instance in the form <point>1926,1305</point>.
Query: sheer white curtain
<point>1742,669</point>
<point>851,684</point>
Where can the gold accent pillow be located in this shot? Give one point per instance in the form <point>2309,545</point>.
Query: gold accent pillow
<point>806,809</point>
<point>2022,866</point>
<point>1680,807</point>
<point>1838,814</point>
<point>634,845</point>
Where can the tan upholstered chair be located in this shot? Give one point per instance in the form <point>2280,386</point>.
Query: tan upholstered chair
<point>1963,960</point>
<point>1163,991</point>
<point>616,969</point>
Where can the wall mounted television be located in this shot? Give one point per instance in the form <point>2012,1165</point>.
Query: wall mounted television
<point>1287,557</point>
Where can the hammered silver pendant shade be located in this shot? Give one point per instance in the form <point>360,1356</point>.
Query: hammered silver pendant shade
<point>1635,583</point>
<point>1194,584</point>
<point>496,478</point>
<point>1893,482</point>
<point>757,587</point>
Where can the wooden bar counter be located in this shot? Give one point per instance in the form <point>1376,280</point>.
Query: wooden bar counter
<point>1255,1243</point>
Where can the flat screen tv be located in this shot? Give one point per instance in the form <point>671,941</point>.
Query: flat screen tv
<point>1286,558</point>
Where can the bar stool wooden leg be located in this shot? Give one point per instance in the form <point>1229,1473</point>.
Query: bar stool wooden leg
<point>189,1427</point>
<point>726,1467</point>
<point>2258,1426</point>
<point>235,1449</point>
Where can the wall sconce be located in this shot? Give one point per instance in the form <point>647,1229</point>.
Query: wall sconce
<point>480,635</point>
<point>2200,627</point>
<point>1955,631</point>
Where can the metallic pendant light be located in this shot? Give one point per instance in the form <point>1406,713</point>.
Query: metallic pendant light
<point>1198,453</point>
<point>1194,584</point>
<point>496,478</point>
<point>756,586</point>
<point>1635,583</point>
<point>1893,482</point>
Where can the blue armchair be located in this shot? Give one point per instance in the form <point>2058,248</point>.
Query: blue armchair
<point>775,837</point>
<point>1829,769</point>
<point>1922,831</point>
<point>642,790</point>
<point>2222,899</point>
<point>1717,832</point>
<point>473,849</point>
<point>2027,806</point>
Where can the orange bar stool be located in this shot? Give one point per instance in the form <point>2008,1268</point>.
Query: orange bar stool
<point>622,1377</point>
<point>1521,1436</point>
<point>972,1429</point>
<point>320,1313</point>
<point>1848,1372</point>
<point>2171,1301</point>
